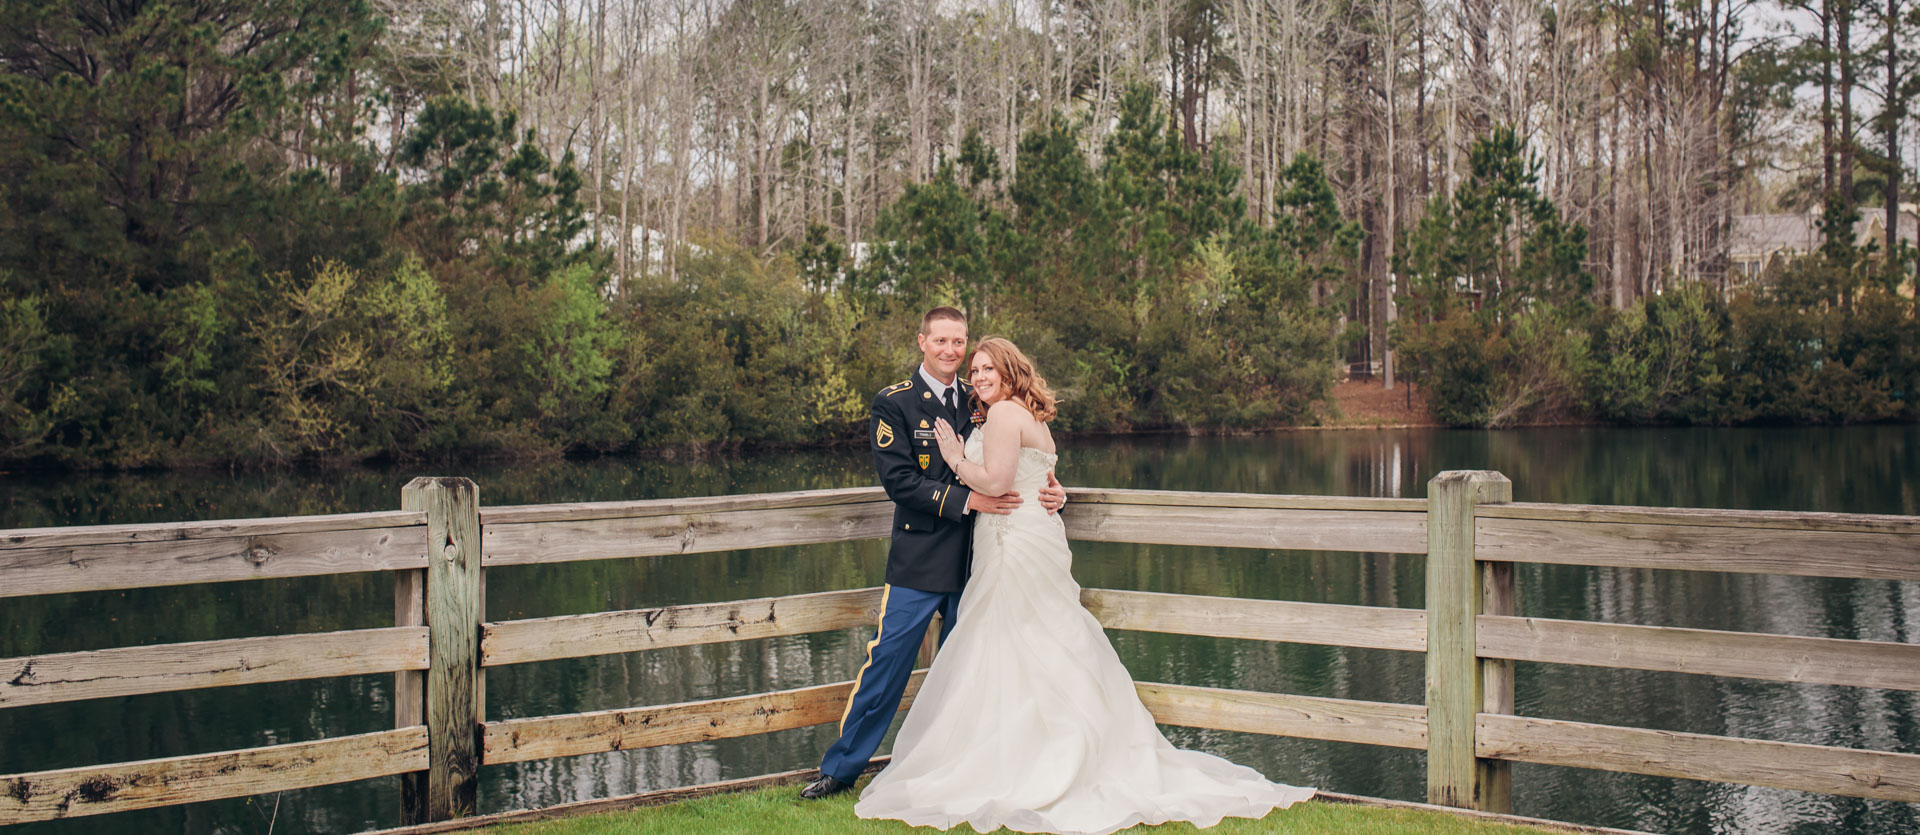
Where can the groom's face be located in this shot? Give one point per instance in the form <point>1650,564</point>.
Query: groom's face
<point>943,346</point>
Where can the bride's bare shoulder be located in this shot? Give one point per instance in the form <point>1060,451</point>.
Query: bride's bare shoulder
<point>1010,411</point>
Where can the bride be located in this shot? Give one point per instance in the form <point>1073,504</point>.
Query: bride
<point>1027,719</point>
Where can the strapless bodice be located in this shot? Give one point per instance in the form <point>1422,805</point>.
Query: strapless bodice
<point>1031,472</point>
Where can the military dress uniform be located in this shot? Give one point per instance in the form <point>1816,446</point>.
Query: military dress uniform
<point>927,562</point>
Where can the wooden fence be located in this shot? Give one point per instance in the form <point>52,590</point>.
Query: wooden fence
<point>438,546</point>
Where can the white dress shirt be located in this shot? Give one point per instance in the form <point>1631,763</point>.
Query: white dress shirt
<point>940,394</point>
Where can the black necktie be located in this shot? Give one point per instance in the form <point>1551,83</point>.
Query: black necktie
<point>953,412</point>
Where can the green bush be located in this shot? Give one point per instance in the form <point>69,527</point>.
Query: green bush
<point>347,365</point>
<point>1459,359</point>
<point>1664,359</point>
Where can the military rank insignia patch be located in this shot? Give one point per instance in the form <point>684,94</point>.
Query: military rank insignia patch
<point>883,435</point>
<point>926,461</point>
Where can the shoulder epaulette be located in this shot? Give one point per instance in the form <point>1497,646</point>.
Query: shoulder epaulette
<point>896,388</point>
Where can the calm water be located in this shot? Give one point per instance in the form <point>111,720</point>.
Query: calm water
<point>1856,469</point>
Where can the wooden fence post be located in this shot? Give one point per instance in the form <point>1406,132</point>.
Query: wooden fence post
<point>409,687</point>
<point>453,610</point>
<point>930,642</point>
<point>1459,684</point>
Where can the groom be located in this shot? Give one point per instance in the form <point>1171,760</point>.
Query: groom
<point>928,561</point>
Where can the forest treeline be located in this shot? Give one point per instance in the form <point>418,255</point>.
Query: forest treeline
<point>337,229</point>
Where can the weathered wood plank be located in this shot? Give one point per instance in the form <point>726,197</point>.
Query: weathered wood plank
<point>1185,498</point>
<point>517,740</point>
<point>652,536</point>
<point>410,686</point>
<point>1497,597</point>
<point>95,790</point>
<point>68,537</point>
<point>1391,532</point>
<point>582,511</point>
<point>1872,556</point>
<point>1702,651</point>
<point>605,633</point>
<point>1283,714</point>
<point>1784,520</point>
<point>128,671</point>
<point>1879,775</point>
<point>930,642</point>
<point>1373,627</point>
<point>454,612</point>
<point>1455,594</point>
<point>126,565</point>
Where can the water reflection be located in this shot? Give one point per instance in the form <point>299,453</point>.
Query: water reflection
<point>1853,469</point>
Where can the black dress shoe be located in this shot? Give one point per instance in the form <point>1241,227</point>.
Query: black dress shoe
<point>826,786</point>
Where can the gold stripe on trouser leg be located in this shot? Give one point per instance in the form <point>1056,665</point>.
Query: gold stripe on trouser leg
<point>886,593</point>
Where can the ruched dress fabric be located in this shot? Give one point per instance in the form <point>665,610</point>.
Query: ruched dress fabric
<point>1028,720</point>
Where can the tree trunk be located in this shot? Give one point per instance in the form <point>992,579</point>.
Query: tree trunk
<point>1479,18</point>
<point>599,123</point>
<point>1615,239</point>
<point>492,59</point>
<point>1389,59</point>
<point>1826,97</point>
<point>1895,111</point>
<point>1843,46</point>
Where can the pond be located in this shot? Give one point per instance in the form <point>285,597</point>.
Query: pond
<point>1869,469</point>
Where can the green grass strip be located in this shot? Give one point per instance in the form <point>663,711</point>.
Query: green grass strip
<point>780,809</point>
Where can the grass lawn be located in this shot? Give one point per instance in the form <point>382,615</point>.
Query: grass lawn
<point>779,809</point>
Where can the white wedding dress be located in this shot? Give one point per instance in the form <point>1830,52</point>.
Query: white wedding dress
<point>1028,720</point>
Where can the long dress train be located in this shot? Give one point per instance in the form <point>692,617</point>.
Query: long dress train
<point>1028,720</point>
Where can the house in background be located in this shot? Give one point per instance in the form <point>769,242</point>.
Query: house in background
<point>1757,243</point>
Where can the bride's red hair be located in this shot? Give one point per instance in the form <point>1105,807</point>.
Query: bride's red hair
<point>1021,380</point>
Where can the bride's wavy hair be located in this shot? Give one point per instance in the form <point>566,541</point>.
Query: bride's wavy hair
<point>1021,380</point>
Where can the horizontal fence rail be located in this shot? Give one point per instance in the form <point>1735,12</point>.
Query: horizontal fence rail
<point>1369,627</point>
<point>1702,651</point>
<point>1470,632</point>
<point>106,557</point>
<point>1878,775</point>
<point>606,633</point>
<point>569,735</point>
<point>1235,520</point>
<point>1753,542</point>
<point>94,790</point>
<point>132,671</point>
<point>603,530</point>
<point>1283,714</point>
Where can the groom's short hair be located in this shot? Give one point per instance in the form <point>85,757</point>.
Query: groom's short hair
<point>939,313</point>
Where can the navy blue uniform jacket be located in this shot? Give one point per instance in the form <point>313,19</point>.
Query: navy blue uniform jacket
<point>932,538</point>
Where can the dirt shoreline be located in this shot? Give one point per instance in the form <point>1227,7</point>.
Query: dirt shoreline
<point>1367,404</point>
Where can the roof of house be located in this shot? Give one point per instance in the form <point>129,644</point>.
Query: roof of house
<point>1757,235</point>
<point>1909,224</point>
<point>1754,236</point>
